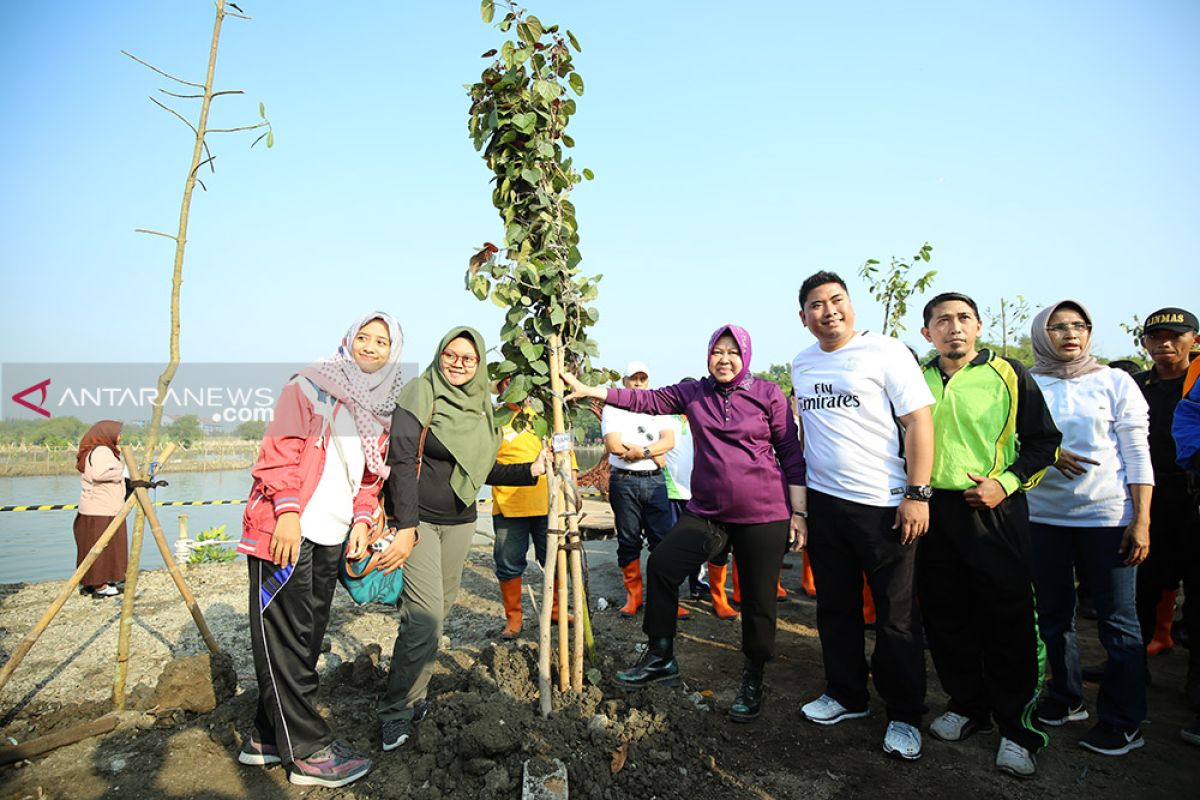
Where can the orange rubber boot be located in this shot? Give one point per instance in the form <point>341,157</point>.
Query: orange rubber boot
<point>633,588</point>
<point>510,594</point>
<point>780,592</point>
<point>868,604</point>
<point>806,577</point>
<point>737,587</point>
<point>1164,615</point>
<point>716,587</point>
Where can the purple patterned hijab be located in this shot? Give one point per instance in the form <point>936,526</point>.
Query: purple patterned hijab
<point>742,337</point>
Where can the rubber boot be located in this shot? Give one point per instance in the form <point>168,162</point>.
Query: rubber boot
<point>748,703</point>
<point>737,587</point>
<point>806,577</point>
<point>868,605</point>
<point>1164,615</point>
<point>633,588</point>
<point>657,665</point>
<point>716,587</point>
<point>781,594</point>
<point>510,594</point>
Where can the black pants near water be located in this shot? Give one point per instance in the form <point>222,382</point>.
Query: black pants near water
<point>846,539</point>
<point>975,582</point>
<point>692,542</point>
<point>289,612</point>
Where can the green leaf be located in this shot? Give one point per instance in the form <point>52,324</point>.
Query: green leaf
<point>568,141</point>
<point>526,122</point>
<point>270,138</point>
<point>541,426</point>
<point>531,175</point>
<point>547,89</point>
<point>517,391</point>
<point>574,42</point>
<point>262,111</point>
<point>539,367</point>
<point>587,173</point>
<point>480,286</point>
<point>506,367</point>
<point>557,316</point>
<point>499,301</point>
<point>531,351</point>
<point>525,33</point>
<point>487,9</point>
<point>535,26</point>
<point>593,314</point>
<point>576,82</point>
<point>506,53</point>
<point>513,234</point>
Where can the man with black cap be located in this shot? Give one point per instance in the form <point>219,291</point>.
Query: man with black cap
<point>1168,336</point>
<point>637,489</point>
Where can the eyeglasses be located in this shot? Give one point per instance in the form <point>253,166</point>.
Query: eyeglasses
<point>450,359</point>
<point>1063,327</point>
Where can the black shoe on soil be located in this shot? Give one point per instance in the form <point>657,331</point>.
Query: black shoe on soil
<point>748,703</point>
<point>1109,740</point>
<point>657,665</point>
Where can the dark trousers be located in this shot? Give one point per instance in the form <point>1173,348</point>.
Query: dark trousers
<point>1174,528</point>
<point>846,539</point>
<point>289,612</point>
<point>759,551</point>
<point>640,509</point>
<point>975,584</point>
<point>1122,698</point>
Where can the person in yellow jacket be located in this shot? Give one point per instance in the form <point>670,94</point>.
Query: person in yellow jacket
<point>519,514</point>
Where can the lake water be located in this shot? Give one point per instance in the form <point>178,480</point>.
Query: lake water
<point>40,545</point>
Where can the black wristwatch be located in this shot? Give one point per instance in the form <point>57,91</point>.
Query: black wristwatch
<point>645,452</point>
<point>922,494</point>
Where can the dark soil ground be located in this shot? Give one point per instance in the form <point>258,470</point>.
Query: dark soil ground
<point>658,743</point>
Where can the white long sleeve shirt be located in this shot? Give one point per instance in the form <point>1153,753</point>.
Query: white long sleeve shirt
<point>1103,416</point>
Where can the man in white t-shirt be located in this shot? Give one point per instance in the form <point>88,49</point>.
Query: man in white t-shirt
<point>637,490</point>
<point>868,444</point>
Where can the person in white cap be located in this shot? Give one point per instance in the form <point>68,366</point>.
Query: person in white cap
<point>636,445</point>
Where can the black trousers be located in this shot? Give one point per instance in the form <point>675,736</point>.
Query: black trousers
<point>846,539</point>
<point>692,542</point>
<point>289,612</point>
<point>975,581</point>
<point>1174,529</point>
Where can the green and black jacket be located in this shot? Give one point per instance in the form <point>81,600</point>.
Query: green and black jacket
<point>990,419</point>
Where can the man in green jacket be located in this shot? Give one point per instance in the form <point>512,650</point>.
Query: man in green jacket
<point>993,440</point>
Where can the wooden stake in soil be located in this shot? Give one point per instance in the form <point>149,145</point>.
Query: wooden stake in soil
<point>52,741</point>
<point>564,671</point>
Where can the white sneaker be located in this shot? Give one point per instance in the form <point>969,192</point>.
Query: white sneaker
<point>1014,759</point>
<point>107,590</point>
<point>952,727</point>
<point>902,740</point>
<point>827,711</point>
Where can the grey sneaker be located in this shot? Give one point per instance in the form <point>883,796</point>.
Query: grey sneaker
<point>1056,713</point>
<point>952,727</point>
<point>827,711</point>
<point>902,740</point>
<point>395,733</point>
<point>332,766</point>
<point>1014,759</point>
<point>258,754</point>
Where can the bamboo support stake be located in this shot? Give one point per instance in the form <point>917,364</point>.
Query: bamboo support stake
<point>52,741</point>
<point>564,616</point>
<point>161,540</point>
<point>574,544</point>
<point>93,554</point>
<point>545,693</point>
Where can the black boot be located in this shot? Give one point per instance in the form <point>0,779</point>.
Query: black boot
<point>748,703</point>
<point>658,665</point>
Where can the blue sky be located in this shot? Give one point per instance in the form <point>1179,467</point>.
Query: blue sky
<point>1044,149</point>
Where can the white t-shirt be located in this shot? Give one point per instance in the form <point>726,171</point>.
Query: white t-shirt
<point>678,466</point>
<point>1104,416</point>
<point>327,517</point>
<point>849,400</point>
<point>636,429</point>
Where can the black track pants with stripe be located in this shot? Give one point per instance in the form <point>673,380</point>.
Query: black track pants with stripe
<point>976,586</point>
<point>289,612</point>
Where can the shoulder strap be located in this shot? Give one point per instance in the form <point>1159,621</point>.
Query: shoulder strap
<point>421,443</point>
<point>341,453</point>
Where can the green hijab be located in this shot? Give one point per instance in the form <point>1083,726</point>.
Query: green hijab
<point>462,416</point>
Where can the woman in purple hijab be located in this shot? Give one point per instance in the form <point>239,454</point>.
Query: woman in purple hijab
<point>747,476</point>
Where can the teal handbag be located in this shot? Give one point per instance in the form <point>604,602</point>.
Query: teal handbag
<point>364,581</point>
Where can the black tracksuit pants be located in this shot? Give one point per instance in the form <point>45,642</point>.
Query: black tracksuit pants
<point>289,612</point>
<point>759,550</point>
<point>846,539</point>
<point>975,581</point>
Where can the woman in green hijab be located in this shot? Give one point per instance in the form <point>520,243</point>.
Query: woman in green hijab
<point>443,450</point>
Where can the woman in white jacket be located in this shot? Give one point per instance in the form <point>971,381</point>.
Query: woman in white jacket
<point>1097,504</point>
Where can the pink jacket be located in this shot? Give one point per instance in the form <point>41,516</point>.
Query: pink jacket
<point>102,484</point>
<point>289,467</point>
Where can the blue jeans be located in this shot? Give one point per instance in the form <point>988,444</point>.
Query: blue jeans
<point>640,508</point>
<point>1122,698</point>
<point>512,544</point>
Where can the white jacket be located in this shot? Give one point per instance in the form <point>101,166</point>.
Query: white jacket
<point>1103,416</point>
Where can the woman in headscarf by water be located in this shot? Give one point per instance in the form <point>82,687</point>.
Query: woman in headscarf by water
<point>102,493</point>
<point>307,498</point>
<point>747,476</point>
<point>443,423</point>
<point>1095,503</point>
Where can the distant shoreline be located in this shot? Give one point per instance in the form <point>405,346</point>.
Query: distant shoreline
<point>47,470</point>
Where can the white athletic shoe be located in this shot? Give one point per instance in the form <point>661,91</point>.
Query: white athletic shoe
<point>1014,759</point>
<point>827,711</point>
<point>952,727</point>
<point>902,740</point>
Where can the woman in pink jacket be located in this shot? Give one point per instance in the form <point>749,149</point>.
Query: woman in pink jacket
<point>307,498</point>
<point>102,493</point>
